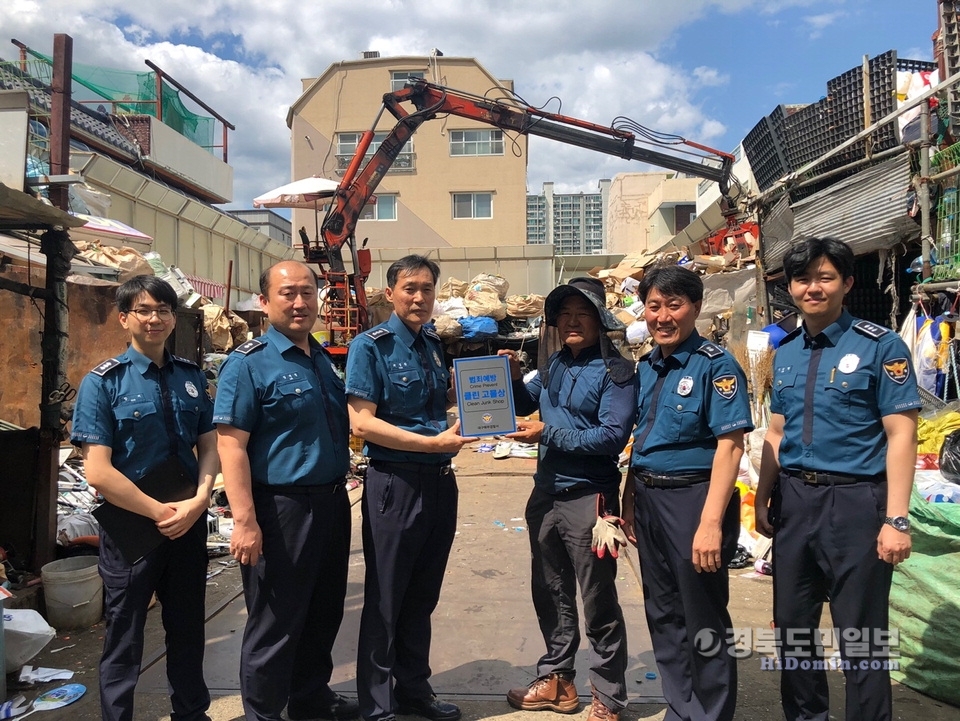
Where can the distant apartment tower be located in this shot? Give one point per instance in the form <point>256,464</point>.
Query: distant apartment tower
<point>457,183</point>
<point>574,223</point>
<point>267,222</point>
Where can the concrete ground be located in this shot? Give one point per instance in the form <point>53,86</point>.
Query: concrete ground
<point>485,634</point>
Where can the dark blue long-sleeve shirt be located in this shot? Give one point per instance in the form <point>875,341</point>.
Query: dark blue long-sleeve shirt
<point>588,419</point>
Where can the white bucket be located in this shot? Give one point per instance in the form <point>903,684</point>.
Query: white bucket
<point>73,591</point>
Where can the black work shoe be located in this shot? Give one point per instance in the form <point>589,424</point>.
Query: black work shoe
<point>430,708</point>
<point>337,709</point>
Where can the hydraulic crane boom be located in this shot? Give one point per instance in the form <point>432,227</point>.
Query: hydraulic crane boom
<point>430,100</point>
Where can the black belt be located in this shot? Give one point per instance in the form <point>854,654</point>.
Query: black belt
<point>294,489</point>
<point>436,469</point>
<point>676,480</point>
<point>819,478</point>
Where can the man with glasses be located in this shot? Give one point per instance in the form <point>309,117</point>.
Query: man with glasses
<point>680,505</point>
<point>586,398</point>
<point>133,413</point>
<point>281,417</point>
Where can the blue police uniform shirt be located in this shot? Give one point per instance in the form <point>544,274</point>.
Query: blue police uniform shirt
<point>120,405</point>
<point>685,401</point>
<point>864,373</point>
<point>587,417</point>
<point>404,375</point>
<point>292,405</point>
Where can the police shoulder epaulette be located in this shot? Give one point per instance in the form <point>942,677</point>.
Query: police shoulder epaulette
<point>249,346</point>
<point>379,332</point>
<point>185,360</point>
<point>431,332</point>
<point>105,367</point>
<point>710,350</point>
<point>871,330</point>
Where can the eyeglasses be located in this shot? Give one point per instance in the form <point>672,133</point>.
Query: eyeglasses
<point>145,314</point>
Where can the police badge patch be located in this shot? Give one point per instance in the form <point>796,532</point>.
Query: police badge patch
<point>897,370</point>
<point>726,386</point>
<point>191,389</point>
<point>685,386</point>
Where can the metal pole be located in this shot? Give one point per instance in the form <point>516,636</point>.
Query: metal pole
<point>56,246</point>
<point>226,305</point>
<point>924,188</point>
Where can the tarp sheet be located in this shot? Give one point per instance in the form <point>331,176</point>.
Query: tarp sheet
<point>925,603</point>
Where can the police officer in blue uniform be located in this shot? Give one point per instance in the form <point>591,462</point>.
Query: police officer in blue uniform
<point>283,437</point>
<point>835,481</point>
<point>397,395</point>
<point>132,413</point>
<point>587,401</point>
<point>680,503</point>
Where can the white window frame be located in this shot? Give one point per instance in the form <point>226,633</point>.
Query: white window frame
<point>374,210</point>
<point>399,78</point>
<point>473,140</point>
<point>473,206</point>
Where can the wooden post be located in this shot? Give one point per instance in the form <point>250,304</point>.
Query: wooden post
<point>226,305</point>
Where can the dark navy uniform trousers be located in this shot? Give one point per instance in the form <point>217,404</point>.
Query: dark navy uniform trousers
<point>176,571</point>
<point>294,597</point>
<point>687,611</point>
<point>825,548</point>
<point>409,522</point>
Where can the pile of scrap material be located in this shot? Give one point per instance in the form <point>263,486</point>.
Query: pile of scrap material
<point>467,314</point>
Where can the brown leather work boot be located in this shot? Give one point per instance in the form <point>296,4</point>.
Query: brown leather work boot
<point>551,692</point>
<point>600,712</point>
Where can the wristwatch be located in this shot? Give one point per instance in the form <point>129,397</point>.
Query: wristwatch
<point>901,523</point>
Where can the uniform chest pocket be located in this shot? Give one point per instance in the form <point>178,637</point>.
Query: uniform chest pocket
<point>139,420</point>
<point>851,392</point>
<point>292,393</point>
<point>407,385</point>
<point>681,419</point>
<point>784,385</point>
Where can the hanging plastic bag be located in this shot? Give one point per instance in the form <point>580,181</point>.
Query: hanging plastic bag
<point>950,457</point>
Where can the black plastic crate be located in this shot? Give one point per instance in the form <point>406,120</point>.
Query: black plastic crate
<point>765,153</point>
<point>808,133</point>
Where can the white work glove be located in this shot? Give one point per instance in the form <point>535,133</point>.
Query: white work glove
<point>607,534</point>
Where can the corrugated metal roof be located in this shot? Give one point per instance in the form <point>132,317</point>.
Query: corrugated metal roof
<point>867,210</point>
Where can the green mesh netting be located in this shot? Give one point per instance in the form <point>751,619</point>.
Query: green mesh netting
<point>924,602</point>
<point>136,93</point>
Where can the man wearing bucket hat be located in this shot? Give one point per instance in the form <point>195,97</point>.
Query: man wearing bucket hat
<point>679,503</point>
<point>587,400</point>
<point>133,413</point>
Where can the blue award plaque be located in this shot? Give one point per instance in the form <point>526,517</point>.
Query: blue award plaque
<point>484,396</point>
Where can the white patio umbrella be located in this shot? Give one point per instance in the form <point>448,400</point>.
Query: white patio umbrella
<point>305,193</point>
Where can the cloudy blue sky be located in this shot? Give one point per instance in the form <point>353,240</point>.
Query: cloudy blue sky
<point>705,69</point>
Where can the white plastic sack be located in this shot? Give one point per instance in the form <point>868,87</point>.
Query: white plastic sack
<point>454,308</point>
<point>637,332</point>
<point>25,633</point>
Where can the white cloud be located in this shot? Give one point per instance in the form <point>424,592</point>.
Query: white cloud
<point>818,23</point>
<point>710,77</point>
<point>600,58</point>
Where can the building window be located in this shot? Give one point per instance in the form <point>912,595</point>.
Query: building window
<point>399,78</point>
<point>384,209</point>
<point>473,205</point>
<point>347,148</point>
<point>476,142</point>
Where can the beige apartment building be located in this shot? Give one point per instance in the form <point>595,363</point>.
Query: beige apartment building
<point>458,183</point>
<point>645,210</point>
